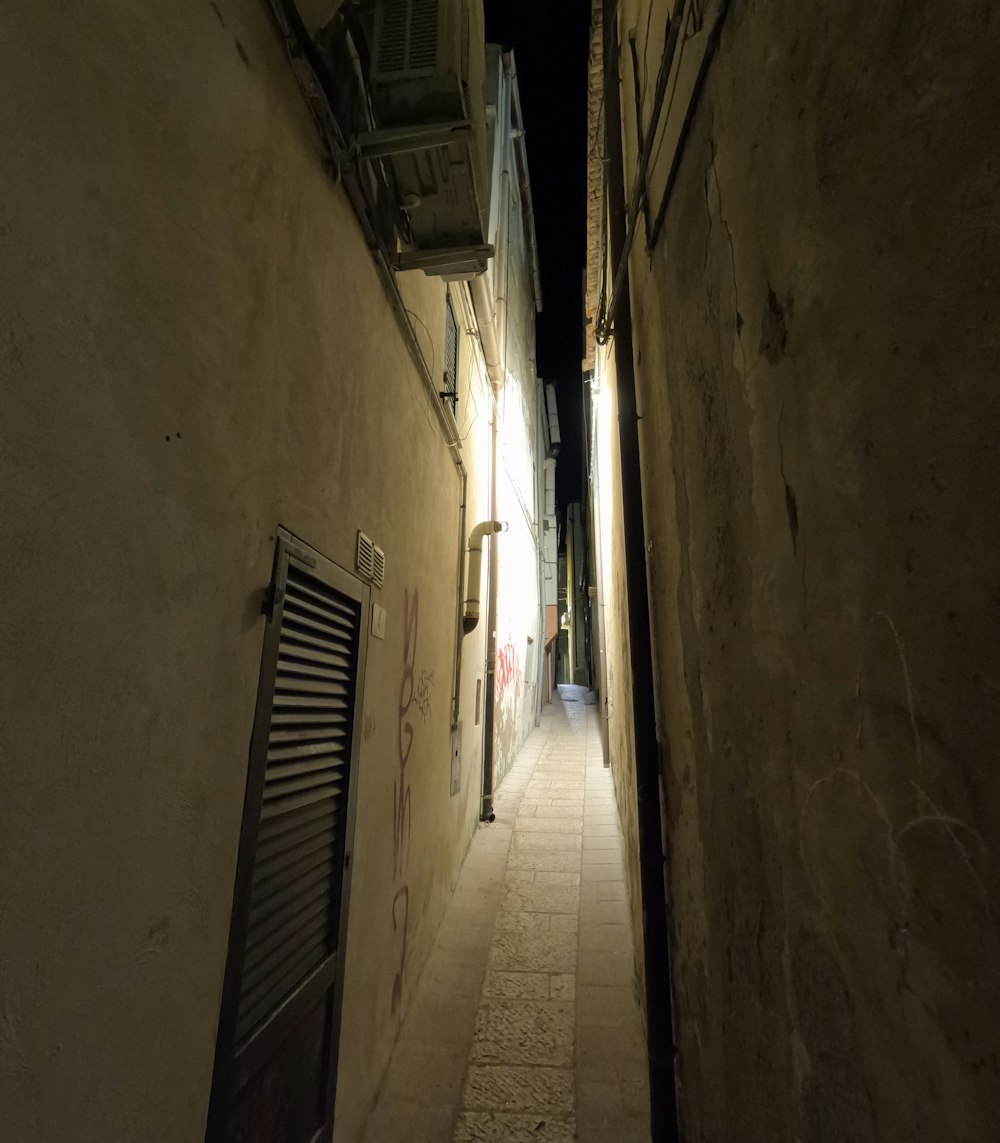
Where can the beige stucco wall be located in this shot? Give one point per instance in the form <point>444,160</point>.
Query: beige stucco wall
<point>518,609</point>
<point>195,349</point>
<point>818,334</point>
<point>606,506</point>
<point>519,622</point>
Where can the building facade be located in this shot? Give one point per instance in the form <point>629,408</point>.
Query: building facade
<point>233,427</point>
<point>770,312</point>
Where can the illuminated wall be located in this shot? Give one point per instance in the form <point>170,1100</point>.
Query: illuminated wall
<point>520,625</point>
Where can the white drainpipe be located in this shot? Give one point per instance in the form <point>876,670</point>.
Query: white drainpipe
<point>486,528</point>
<point>486,320</point>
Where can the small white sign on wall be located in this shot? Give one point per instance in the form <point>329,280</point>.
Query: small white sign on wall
<point>378,621</point>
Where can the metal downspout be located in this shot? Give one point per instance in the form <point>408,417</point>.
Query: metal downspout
<point>489,714</point>
<point>484,306</point>
<point>664,1124</point>
<point>486,810</point>
<point>602,639</point>
<point>540,437</point>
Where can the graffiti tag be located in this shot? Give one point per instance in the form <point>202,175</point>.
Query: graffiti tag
<point>508,668</point>
<point>402,821</point>
<point>425,685</point>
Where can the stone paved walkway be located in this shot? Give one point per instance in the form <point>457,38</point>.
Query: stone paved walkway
<point>525,1027</point>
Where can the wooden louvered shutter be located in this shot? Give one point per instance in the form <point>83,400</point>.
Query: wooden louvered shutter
<point>276,1050</point>
<point>450,355</point>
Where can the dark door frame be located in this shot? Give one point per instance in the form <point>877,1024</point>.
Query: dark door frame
<point>233,1069</point>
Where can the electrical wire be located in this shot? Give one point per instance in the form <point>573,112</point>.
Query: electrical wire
<point>645,58</point>
<point>423,324</point>
<point>475,403</point>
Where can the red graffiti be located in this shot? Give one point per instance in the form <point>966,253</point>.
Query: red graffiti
<point>402,820</point>
<point>402,894</point>
<point>508,669</point>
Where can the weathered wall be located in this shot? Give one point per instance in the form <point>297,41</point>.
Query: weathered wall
<point>183,369</point>
<point>613,669</point>
<point>518,603</point>
<point>616,696</point>
<point>817,340</point>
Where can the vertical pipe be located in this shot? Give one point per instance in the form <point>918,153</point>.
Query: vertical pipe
<point>489,715</point>
<point>595,509</point>
<point>570,596</point>
<point>541,453</point>
<point>652,867</point>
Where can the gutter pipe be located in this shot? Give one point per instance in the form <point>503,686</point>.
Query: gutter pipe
<point>486,322</point>
<point>596,523</point>
<point>541,437</point>
<point>486,813</point>
<point>496,369</point>
<point>664,1124</point>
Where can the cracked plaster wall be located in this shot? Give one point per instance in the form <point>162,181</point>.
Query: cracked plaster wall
<point>818,341</point>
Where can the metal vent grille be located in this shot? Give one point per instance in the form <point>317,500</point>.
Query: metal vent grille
<point>423,33</point>
<point>295,901</point>
<point>395,19</point>
<point>378,567</point>
<point>366,556</point>
<point>407,35</point>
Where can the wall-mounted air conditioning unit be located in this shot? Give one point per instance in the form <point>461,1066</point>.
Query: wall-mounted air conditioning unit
<point>428,72</point>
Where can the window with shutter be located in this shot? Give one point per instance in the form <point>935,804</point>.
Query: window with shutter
<point>276,1052</point>
<point>450,392</point>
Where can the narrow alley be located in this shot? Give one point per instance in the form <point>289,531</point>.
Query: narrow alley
<point>525,1026</point>
<point>501,624</point>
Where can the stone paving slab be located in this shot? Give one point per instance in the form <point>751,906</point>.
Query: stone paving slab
<point>542,898</point>
<point>545,1091</point>
<point>528,839</point>
<point>526,951</point>
<point>524,922</point>
<point>546,860</point>
<point>488,1127</point>
<point>516,985</point>
<point>550,825</point>
<point>525,1032</point>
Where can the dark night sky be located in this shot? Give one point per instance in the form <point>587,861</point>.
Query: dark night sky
<point>550,41</point>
